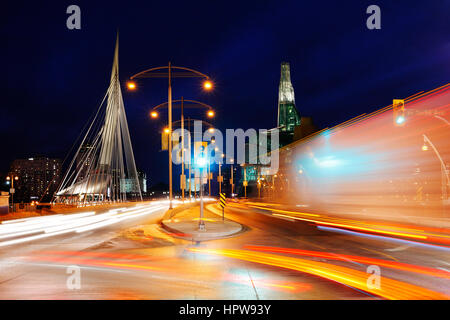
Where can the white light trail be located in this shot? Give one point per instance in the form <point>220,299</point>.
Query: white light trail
<point>49,226</point>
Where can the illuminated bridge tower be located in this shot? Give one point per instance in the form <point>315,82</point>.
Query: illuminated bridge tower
<point>288,117</point>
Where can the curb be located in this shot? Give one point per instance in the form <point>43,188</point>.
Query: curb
<point>201,236</point>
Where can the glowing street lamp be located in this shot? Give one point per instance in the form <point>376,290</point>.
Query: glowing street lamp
<point>207,85</point>
<point>154,114</point>
<point>210,113</point>
<point>131,85</point>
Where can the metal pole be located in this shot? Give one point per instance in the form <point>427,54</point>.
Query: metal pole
<point>170,137</point>
<point>12,194</point>
<point>209,177</point>
<point>245,181</point>
<point>444,177</point>
<point>220,182</point>
<point>201,224</point>
<point>182,150</point>
<point>232,182</point>
<point>189,129</point>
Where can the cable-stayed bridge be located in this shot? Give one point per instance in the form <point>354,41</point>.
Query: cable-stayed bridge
<point>103,165</point>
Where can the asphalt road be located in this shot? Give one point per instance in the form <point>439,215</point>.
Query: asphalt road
<point>136,259</point>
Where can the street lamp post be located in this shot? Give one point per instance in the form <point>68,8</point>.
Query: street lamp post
<point>183,179</point>
<point>12,190</point>
<point>183,73</point>
<point>445,180</point>
<point>170,135</point>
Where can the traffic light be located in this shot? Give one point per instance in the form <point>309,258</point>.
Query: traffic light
<point>200,154</point>
<point>165,139</point>
<point>398,107</point>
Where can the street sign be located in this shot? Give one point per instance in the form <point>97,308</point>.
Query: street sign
<point>12,190</point>
<point>245,183</point>
<point>223,204</point>
<point>219,178</point>
<point>222,200</point>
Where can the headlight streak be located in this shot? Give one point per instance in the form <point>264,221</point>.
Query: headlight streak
<point>77,222</point>
<point>390,289</point>
<point>378,237</point>
<point>343,257</point>
<point>372,227</point>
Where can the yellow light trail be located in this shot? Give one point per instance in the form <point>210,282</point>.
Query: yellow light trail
<point>389,288</point>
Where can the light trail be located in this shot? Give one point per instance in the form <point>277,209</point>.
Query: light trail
<point>385,228</point>
<point>391,239</point>
<point>373,169</point>
<point>364,260</point>
<point>389,289</point>
<point>31,229</point>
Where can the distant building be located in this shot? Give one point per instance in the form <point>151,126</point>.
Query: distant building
<point>38,178</point>
<point>84,160</point>
<point>291,127</point>
<point>288,116</point>
<point>129,185</point>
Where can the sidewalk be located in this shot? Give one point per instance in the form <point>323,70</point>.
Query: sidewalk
<point>185,224</point>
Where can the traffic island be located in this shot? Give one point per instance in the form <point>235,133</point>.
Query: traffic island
<point>186,225</point>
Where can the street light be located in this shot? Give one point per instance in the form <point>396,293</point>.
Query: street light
<point>445,179</point>
<point>207,85</point>
<point>167,72</point>
<point>154,114</point>
<point>131,85</point>
<point>210,113</point>
<point>11,179</point>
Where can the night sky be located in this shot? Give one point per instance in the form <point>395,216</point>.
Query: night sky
<point>54,78</point>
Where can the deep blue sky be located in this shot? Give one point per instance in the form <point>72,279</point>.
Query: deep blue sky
<point>54,78</point>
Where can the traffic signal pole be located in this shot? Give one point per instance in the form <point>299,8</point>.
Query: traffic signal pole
<point>201,223</point>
